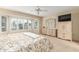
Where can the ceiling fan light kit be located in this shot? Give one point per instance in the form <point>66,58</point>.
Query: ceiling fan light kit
<point>38,10</point>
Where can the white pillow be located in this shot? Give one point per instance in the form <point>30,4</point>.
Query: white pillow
<point>32,35</point>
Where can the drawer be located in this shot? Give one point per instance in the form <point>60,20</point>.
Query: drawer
<point>68,36</point>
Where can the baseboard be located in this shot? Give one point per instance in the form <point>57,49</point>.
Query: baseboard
<point>76,41</point>
<point>49,35</point>
<point>63,39</point>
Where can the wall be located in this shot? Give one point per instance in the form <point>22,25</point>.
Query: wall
<point>75,26</point>
<point>6,12</point>
<point>16,13</point>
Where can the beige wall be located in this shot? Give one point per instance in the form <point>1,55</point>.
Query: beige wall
<point>75,26</point>
<point>16,13</point>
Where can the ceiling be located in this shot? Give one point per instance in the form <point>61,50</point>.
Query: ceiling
<point>52,10</point>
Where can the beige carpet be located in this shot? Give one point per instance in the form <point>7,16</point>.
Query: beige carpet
<point>60,45</point>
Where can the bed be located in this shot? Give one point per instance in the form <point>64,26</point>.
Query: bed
<point>24,42</point>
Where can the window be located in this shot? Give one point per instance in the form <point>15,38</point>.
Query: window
<point>30,25</point>
<point>3,23</point>
<point>20,24</point>
<point>25,24</point>
<point>14,23</point>
<point>30,22</point>
<point>36,24</point>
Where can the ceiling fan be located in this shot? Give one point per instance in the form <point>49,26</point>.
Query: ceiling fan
<point>38,10</point>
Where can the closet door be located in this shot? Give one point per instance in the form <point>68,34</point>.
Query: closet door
<point>51,27</point>
<point>68,31</point>
<point>60,30</point>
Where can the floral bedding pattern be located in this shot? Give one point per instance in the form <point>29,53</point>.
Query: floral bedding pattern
<point>42,45</point>
<point>22,43</point>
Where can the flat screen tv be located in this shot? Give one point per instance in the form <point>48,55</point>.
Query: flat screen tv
<point>63,18</point>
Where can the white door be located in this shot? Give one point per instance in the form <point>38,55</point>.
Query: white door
<point>50,26</point>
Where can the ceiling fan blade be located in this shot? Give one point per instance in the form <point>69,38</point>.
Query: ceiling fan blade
<point>38,10</point>
<point>44,10</point>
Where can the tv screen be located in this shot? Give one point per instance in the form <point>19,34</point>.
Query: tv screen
<point>66,17</point>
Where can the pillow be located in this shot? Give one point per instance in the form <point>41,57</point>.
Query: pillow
<point>32,35</point>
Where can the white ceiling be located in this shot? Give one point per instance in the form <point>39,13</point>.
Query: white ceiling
<point>52,10</point>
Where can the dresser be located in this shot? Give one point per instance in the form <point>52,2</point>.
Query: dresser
<point>65,30</point>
